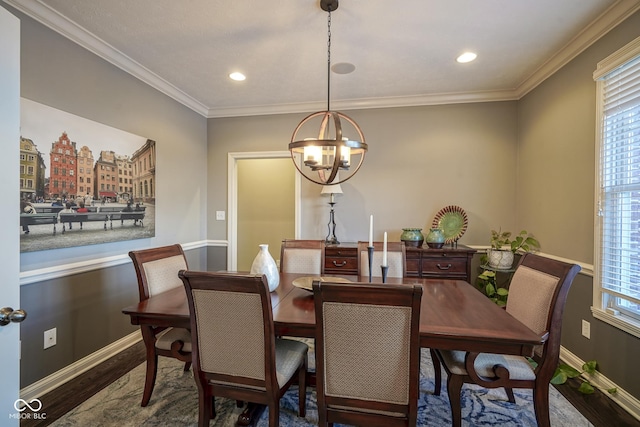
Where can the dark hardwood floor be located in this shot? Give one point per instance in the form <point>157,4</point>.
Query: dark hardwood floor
<point>597,408</point>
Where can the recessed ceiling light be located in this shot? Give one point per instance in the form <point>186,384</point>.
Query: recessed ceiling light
<point>237,76</point>
<point>466,57</point>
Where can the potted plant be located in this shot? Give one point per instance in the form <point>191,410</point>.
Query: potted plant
<point>503,247</point>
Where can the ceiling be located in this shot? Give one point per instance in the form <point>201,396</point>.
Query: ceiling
<point>403,54</point>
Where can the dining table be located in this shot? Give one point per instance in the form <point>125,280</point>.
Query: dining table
<point>454,315</point>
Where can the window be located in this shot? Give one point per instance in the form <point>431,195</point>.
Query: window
<point>617,268</point>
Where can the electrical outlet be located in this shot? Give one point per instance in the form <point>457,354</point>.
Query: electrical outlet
<point>220,215</point>
<point>50,338</point>
<point>586,329</point>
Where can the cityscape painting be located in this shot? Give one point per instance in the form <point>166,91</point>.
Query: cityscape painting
<point>82,182</point>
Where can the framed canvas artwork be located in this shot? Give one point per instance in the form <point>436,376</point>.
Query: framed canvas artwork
<point>82,182</point>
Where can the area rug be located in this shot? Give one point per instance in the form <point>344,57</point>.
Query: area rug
<point>175,403</point>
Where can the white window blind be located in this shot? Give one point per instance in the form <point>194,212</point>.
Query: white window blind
<point>619,185</point>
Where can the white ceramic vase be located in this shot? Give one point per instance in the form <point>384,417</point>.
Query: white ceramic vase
<point>501,259</point>
<point>264,263</point>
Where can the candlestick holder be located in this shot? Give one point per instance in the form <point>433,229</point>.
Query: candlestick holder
<point>385,270</point>
<point>370,252</point>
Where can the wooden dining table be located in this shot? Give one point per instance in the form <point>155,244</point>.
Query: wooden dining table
<point>454,315</point>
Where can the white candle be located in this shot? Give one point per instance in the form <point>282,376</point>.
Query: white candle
<point>384,250</point>
<point>371,231</point>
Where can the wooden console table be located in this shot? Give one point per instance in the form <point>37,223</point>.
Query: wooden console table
<point>446,263</point>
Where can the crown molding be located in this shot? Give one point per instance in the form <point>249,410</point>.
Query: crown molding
<point>367,103</point>
<point>79,35</point>
<point>608,20</point>
<point>617,13</point>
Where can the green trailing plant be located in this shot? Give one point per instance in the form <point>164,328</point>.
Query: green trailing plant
<point>488,285</point>
<point>564,372</point>
<point>522,242</point>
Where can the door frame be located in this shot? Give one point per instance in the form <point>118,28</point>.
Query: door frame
<point>10,248</point>
<point>232,199</point>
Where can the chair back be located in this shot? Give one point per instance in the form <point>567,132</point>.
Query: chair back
<point>537,296</point>
<point>232,333</point>
<point>157,269</point>
<point>302,256</point>
<point>396,259</point>
<point>367,352</point>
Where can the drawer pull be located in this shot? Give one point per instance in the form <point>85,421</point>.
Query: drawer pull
<point>342,264</point>
<point>444,268</point>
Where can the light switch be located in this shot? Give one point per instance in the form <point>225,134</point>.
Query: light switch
<point>220,215</point>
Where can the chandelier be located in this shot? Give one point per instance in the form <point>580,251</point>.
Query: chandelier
<point>329,150</point>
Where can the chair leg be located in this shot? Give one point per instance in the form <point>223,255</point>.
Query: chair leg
<point>454,388</point>
<point>213,407</point>
<point>510,395</point>
<point>322,418</point>
<point>541,403</point>
<point>438,372</point>
<point>274,414</point>
<point>302,389</point>
<point>150,377</point>
<point>205,408</point>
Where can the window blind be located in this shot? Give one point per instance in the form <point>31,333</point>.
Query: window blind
<point>619,204</point>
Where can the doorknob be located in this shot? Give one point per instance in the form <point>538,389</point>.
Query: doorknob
<point>8,314</point>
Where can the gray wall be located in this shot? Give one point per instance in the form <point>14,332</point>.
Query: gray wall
<point>420,160</point>
<point>556,173</point>
<point>86,308</point>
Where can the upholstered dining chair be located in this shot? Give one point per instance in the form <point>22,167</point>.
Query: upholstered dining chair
<point>235,352</point>
<point>537,295</point>
<point>396,258</point>
<point>157,271</point>
<point>367,353</point>
<point>302,256</point>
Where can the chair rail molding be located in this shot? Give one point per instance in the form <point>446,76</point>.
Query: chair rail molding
<point>64,270</point>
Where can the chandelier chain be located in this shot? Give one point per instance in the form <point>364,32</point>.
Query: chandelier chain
<point>329,60</point>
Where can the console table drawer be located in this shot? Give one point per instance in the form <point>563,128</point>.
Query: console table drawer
<point>445,263</point>
<point>444,267</point>
<point>341,260</point>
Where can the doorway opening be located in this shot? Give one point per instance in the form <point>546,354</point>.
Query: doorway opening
<point>255,180</point>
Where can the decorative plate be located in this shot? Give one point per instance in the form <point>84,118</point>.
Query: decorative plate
<point>307,281</point>
<point>452,220</point>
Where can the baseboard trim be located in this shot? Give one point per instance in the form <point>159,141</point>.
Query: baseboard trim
<point>58,378</point>
<point>624,399</point>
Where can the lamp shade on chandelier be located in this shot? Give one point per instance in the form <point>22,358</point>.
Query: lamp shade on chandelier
<point>327,142</point>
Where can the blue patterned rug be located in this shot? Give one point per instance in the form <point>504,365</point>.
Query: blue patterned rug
<point>175,403</point>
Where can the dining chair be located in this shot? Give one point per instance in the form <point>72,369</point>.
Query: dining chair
<point>367,353</point>
<point>537,295</point>
<point>157,271</point>
<point>396,259</point>
<point>302,256</point>
<point>235,351</point>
